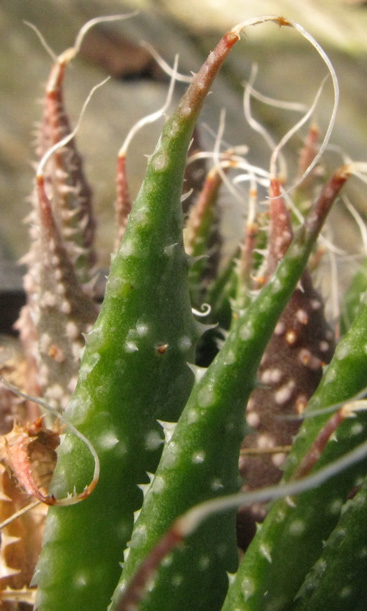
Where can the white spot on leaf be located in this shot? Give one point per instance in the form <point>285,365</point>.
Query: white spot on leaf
<point>297,528</point>
<point>198,457</point>
<point>206,396</point>
<point>159,161</point>
<point>248,588</point>
<point>247,330</point>
<point>153,440</point>
<point>108,440</point>
<point>131,347</point>
<point>265,551</point>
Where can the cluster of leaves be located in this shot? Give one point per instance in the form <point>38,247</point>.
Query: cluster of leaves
<point>165,419</point>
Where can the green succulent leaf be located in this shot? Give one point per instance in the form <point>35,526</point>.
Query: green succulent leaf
<point>155,428</point>
<point>291,539</point>
<point>134,370</point>
<point>338,579</point>
<point>200,459</point>
<point>352,298</point>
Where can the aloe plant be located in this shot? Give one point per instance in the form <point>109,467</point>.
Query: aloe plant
<point>148,432</point>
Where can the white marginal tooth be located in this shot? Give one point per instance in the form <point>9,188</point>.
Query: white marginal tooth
<point>219,343</point>
<point>197,371</point>
<point>136,514</point>
<point>290,502</point>
<point>170,248</point>
<point>202,328</point>
<point>144,488</point>
<point>168,429</point>
<point>231,577</point>
<point>193,260</point>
